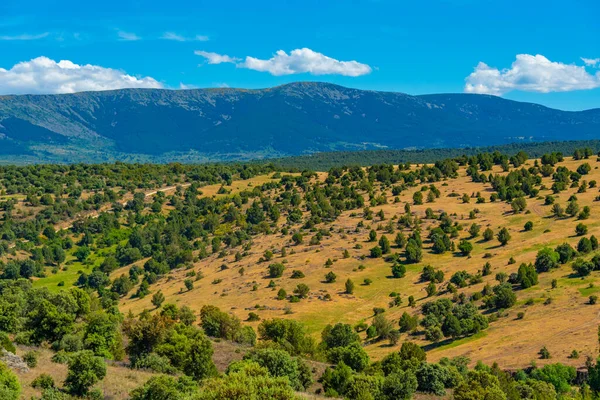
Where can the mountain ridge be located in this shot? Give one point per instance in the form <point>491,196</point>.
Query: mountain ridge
<point>292,119</point>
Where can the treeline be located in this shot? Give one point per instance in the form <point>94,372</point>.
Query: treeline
<point>326,160</point>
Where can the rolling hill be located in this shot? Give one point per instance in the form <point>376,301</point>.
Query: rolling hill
<point>298,118</point>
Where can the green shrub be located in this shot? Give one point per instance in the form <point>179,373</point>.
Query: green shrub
<point>43,381</point>
<point>85,370</point>
<point>31,358</point>
<point>165,387</point>
<point>10,389</point>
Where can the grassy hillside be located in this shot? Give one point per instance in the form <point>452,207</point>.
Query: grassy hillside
<point>249,239</point>
<point>568,323</point>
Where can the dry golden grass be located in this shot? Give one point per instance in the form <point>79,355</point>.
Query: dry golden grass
<point>566,324</point>
<point>117,384</point>
<point>120,380</point>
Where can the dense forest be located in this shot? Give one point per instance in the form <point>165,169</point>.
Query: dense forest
<point>81,246</point>
<point>326,160</point>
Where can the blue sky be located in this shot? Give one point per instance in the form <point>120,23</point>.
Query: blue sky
<point>532,50</point>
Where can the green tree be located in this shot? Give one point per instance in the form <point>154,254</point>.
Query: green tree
<point>372,235</point>
<point>465,247</point>
<point>384,243</point>
<point>376,252</point>
<point>582,267</point>
<point>330,277</point>
<point>565,253</point>
<point>353,355</point>
<point>558,211</point>
<point>474,230</point>
<point>418,198</point>
<point>584,245</point>
<point>400,385</point>
<point>280,364</point>
<point>85,370</point>
<point>581,229</point>
<point>163,387</point>
<point>122,285</point>
<point>558,375</point>
<point>432,378</point>
<point>572,208</point>
<point>157,299</point>
<point>519,204</point>
<point>82,253</point>
<point>503,236</point>
<point>10,389</point>
<point>276,270</point>
<point>451,326</point>
<point>479,385</point>
<point>101,335</point>
<point>488,234</point>
<point>297,238</point>
<point>504,296</point>
<point>302,290</point>
<point>247,381</point>
<point>398,270</point>
<point>527,276</point>
<point>431,289</point>
<point>349,286</point>
<point>400,240</point>
<point>414,254</point>
<point>217,323</point>
<point>198,362</point>
<point>408,323</point>
<point>338,335</point>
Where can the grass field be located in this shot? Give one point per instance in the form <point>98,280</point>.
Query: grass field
<point>563,323</point>
<point>566,323</point>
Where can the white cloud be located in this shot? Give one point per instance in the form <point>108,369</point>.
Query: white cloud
<point>591,62</point>
<point>25,36</point>
<point>180,38</point>
<point>297,62</point>
<point>305,61</point>
<point>128,36</point>
<point>531,74</point>
<point>43,75</point>
<point>214,58</point>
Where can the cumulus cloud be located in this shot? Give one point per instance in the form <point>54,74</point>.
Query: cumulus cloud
<point>43,75</point>
<point>215,58</point>
<point>591,62</point>
<point>305,61</point>
<point>25,36</point>
<point>297,62</point>
<point>531,74</point>
<point>180,38</point>
<point>128,36</point>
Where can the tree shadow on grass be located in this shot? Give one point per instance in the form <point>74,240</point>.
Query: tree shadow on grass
<point>498,246</point>
<point>432,346</point>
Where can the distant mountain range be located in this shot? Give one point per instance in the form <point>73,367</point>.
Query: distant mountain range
<point>298,118</point>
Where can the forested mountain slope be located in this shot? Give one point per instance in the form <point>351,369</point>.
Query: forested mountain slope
<point>297,118</point>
